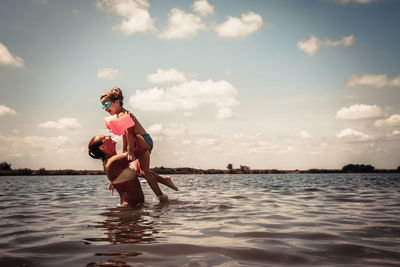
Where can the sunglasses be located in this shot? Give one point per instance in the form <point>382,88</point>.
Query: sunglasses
<point>107,104</point>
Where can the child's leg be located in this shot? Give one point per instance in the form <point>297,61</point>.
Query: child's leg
<point>165,181</point>
<point>144,161</point>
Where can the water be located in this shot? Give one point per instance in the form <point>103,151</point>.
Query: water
<point>215,220</point>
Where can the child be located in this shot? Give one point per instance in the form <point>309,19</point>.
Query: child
<point>112,102</point>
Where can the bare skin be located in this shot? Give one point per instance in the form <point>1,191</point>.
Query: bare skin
<point>140,153</point>
<point>132,139</point>
<point>162,180</point>
<point>130,191</point>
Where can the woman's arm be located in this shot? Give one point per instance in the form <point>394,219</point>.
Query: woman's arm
<point>124,143</point>
<point>130,136</point>
<point>115,165</point>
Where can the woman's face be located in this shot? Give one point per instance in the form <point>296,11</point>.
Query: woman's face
<point>108,143</point>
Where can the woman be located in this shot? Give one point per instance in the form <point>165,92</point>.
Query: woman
<point>122,177</point>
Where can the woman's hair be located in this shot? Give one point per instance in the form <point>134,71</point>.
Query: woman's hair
<point>94,149</point>
<point>113,95</point>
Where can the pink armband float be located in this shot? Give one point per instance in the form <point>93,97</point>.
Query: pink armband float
<point>119,125</point>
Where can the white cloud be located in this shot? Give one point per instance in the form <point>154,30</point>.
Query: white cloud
<point>202,7</point>
<point>303,134</point>
<point>312,45</point>
<point>182,25</point>
<point>9,60</point>
<point>354,1</point>
<point>39,151</point>
<point>35,142</point>
<point>32,145</point>
<point>238,27</point>
<point>186,142</point>
<point>358,111</point>
<point>396,133</point>
<point>4,110</point>
<point>283,153</point>
<point>59,141</point>
<point>64,123</point>
<point>171,130</point>
<point>345,41</point>
<point>206,141</point>
<point>395,81</point>
<point>107,73</point>
<point>135,15</point>
<point>155,129</point>
<point>288,149</point>
<point>238,135</point>
<point>187,96</point>
<point>224,113</point>
<point>170,75</point>
<point>353,135</point>
<point>392,121</point>
<point>373,80</point>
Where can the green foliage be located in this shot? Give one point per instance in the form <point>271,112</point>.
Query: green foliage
<point>25,171</point>
<point>42,171</point>
<point>244,169</point>
<point>4,166</point>
<point>358,168</point>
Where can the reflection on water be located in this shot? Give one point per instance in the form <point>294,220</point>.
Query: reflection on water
<point>121,225</point>
<point>124,225</point>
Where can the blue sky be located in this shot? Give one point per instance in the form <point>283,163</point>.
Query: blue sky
<point>267,84</point>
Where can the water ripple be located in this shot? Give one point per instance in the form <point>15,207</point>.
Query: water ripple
<point>214,220</point>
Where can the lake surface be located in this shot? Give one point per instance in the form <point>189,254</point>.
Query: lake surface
<point>214,220</point>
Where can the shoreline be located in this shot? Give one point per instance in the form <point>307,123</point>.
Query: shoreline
<point>184,170</point>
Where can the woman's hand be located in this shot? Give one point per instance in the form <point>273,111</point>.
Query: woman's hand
<point>130,156</point>
<point>110,188</point>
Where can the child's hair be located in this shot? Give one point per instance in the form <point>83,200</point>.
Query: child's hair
<point>94,149</point>
<point>113,94</point>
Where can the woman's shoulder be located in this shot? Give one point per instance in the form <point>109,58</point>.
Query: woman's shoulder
<point>115,164</point>
<point>119,159</point>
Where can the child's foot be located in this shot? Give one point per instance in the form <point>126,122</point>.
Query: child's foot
<point>170,183</point>
<point>163,198</point>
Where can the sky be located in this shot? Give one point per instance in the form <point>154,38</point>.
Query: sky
<point>294,84</point>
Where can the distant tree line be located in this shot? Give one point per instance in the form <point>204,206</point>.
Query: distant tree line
<point>5,169</point>
<point>359,168</point>
<point>242,169</point>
